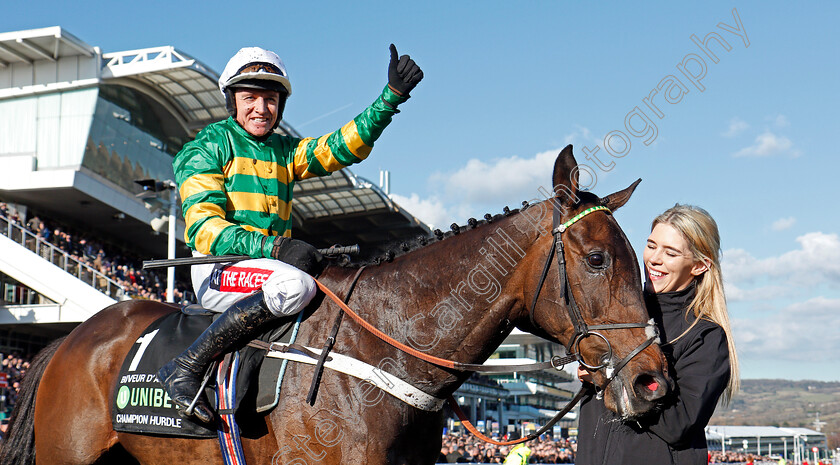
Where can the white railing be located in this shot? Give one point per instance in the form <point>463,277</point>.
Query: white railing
<point>62,259</point>
<point>166,54</point>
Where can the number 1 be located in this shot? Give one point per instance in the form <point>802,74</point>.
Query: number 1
<point>144,344</point>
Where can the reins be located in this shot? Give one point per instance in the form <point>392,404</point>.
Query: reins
<point>328,345</point>
<point>472,429</point>
<point>555,362</point>
<point>581,331</point>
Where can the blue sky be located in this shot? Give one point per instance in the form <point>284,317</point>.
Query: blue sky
<point>509,84</point>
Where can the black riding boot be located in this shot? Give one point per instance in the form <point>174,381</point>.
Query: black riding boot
<point>182,376</point>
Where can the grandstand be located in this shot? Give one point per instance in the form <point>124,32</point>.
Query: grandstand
<point>794,444</point>
<point>79,126</point>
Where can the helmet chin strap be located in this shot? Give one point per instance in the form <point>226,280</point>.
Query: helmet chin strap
<point>230,102</point>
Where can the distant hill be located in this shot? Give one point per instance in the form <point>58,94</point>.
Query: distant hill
<point>778,402</point>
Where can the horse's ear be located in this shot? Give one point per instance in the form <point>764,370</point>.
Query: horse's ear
<point>616,200</point>
<point>565,184</point>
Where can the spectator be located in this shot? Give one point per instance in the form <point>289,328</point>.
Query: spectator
<point>454,456</point>
<point>124,270</point>
<point>444,451</point>
<point>34,225</point>
<point>15,368</point>
<point>464,458</point>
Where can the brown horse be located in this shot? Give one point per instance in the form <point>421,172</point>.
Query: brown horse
<point>456,298</point>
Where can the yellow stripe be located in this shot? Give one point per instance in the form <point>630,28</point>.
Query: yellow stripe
<point>248,227</point>
<point>324,154</point>
<point>208,233</point>
<point>198,212</point>
<point>238,201</point>
<point>284,210</point>
<point>290,170</point>
<point>354,142</point>
<point>202,210</point>
<point>260,168</point>
<point>300,162</point>
<point>247,201</point>
<point>202,183</point>
<point>307,175</point>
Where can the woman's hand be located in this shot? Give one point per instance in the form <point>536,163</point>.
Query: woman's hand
<point>584,375</point>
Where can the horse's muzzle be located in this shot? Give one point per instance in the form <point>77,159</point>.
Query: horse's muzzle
<point>651,387</point>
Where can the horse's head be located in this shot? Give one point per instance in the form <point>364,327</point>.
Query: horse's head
<point>587,293</point>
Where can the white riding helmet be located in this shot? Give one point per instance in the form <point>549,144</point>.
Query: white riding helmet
<point>253,65</point>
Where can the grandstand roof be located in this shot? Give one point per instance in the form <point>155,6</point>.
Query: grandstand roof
<point>346,209</point>
<point>50,43</point>
<point>176,78</point>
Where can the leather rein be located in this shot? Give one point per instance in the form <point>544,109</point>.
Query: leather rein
<point>581,331</point>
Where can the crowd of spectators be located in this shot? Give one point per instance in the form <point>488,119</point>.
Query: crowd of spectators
<point>14,366</point>
<point>112,262</point>
<point>730,457</point>
<point>469,449</point>
<point>717,456</point>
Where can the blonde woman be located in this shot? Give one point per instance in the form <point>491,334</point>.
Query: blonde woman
<point>684,295</point>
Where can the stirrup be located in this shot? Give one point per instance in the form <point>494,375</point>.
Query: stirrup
<point>191,408</point>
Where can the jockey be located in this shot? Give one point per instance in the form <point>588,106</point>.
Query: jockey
<point>236,180</point>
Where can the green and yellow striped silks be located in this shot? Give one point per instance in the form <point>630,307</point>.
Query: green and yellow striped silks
<point>236,189</point>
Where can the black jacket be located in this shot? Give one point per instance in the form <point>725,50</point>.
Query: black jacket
<point>699,366</point>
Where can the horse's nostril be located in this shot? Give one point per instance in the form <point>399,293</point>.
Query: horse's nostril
<point>649,387</point>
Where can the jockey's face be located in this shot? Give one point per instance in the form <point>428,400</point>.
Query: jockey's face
<point>256,110</point>
<point>669,263</point>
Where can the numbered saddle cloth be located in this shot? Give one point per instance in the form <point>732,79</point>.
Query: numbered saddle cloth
<point>140,405</point>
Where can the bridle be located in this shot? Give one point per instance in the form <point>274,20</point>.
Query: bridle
<point>581,332</point>
<point>581,329</point>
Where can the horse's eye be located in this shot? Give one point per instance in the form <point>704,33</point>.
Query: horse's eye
<point>596,260</point>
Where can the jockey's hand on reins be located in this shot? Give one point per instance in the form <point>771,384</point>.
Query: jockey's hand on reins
<point>299,254</point>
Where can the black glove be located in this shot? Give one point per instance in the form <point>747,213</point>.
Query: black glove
<point>299,254</point>
<point>403,73</point>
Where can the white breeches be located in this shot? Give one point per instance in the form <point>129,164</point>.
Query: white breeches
<point>286,289</point>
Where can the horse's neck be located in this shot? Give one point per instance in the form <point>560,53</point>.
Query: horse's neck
<point>453,299</point>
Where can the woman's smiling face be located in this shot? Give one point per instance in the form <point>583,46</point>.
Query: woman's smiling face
<point>669,262</point>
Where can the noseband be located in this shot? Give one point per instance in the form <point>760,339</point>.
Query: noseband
<point>581,329</point>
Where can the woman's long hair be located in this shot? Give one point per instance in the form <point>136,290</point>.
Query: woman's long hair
<point>701,232</point>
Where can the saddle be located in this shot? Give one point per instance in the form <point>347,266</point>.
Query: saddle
<point>140,405</point>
